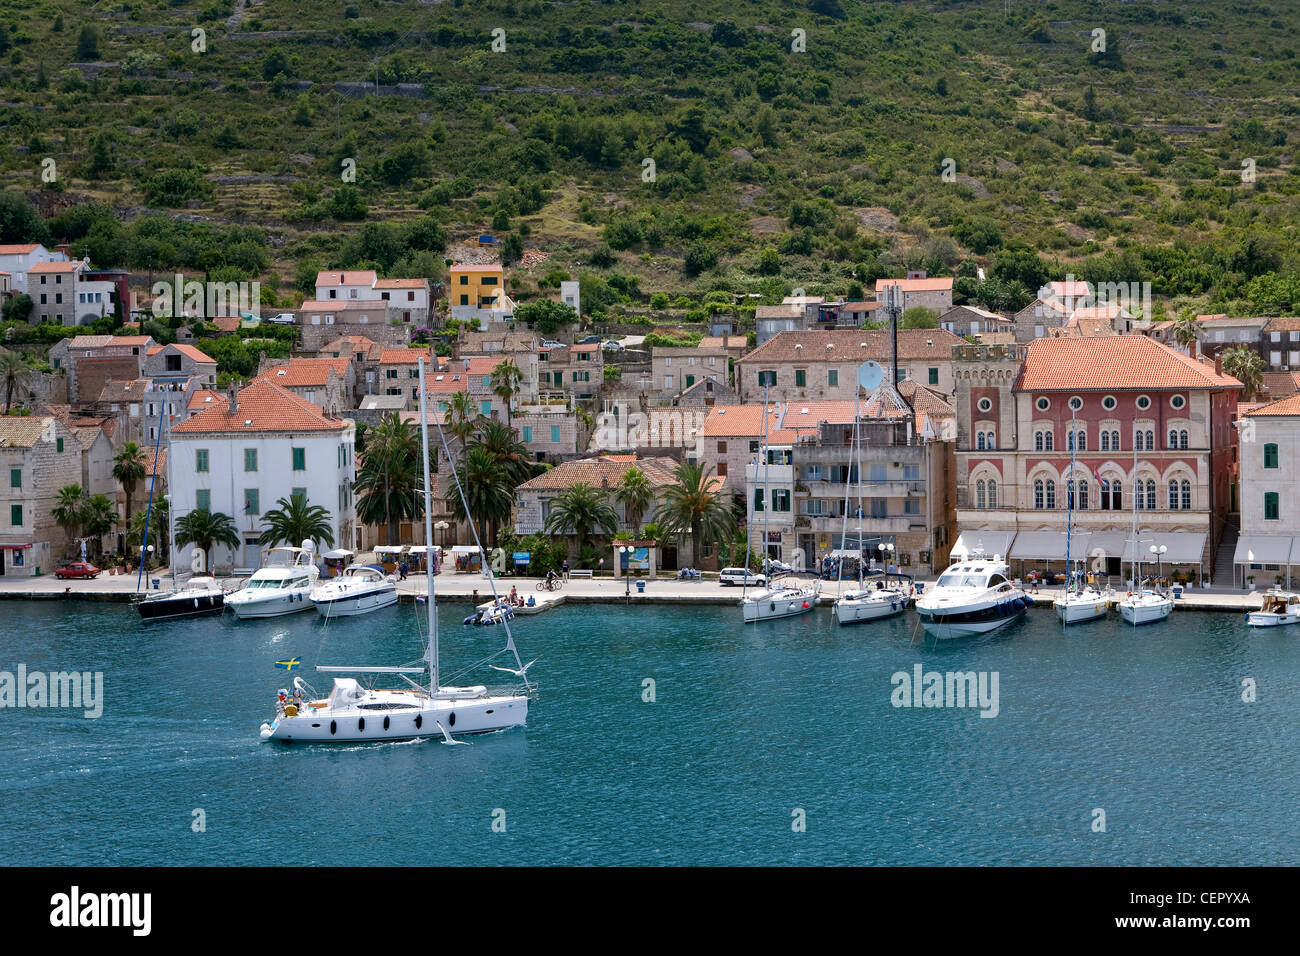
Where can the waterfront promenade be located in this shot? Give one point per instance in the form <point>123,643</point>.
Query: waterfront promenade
<point>598,590</point>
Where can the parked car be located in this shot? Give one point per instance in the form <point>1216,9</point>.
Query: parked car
<point>736,576</point>
<point>589,340</point>
<point>613,346</point>
<point>548,344</point>
<point>76,569</point>
<point>284,318</point>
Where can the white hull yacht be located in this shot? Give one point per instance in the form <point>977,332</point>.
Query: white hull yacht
<point>863,603</point>
<point>276,589</point>
<point>972,597</point>
<point>1147,605</point>
<point>362,589</point>
<point>1089,600</point>
<point>1280,607</point>
<point>782,599</point>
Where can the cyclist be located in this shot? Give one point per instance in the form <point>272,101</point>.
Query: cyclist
<point>550,579</point>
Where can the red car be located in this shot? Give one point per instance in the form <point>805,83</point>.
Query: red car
<point>77,569</point>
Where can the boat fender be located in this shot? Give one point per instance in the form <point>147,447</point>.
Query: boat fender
<point>361,724</point>
<point>385,723</point>
<point>334,727</point>
<point>806,605</point>
<point>419,719</point>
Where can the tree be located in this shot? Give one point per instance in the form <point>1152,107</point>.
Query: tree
<point>1244,364</point>
<point>88,43</point>
<point>462,417</point>
<point>635,493</point>
<point>19,221</point>
<point>693,506</point>
<point>1186,329</point>
<point>769,261</point>
<point>507,382</point>
<point>156,518</point>
<point>129,470</point>
<point>1016,262</point>
<point>69,511</point>
<point>206,528</point>
<point>502,442</point>
<point>389,481</point>
<point>99,515</point>
<point>584,509</point>
<point>919,317</point>
<point>546,315</point>
<point>15,372</point>
<point>294,521</point>
<point>489,493</point>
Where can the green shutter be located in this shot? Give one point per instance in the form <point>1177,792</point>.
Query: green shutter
<point>300,493</point>
<point>200,459</point>
<point>252,502</point>
<point>528,434</point>
<point>300,459</point>
<point>15,477</point>
<point>800,377</point>
<point>250,459</point>
<point>555,434</point>
<point>1270,455</point>
<point>203,500</point>
<point>58,444</point>
<point>16,515</point>
<point>934,376</point>
<point>1271,510</point>
<point>833,377</point>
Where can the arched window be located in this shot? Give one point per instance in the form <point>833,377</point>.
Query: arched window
<point>1069,493</point>
<point>1173,496</point>
<point>1151,496</point>
<point>1038,441</point>
<point>1105,441</point>
<point>979,443</point>
<point>1103,494</point>
<point>1047,440</point>
<point>1083,495</point>
<point>1114,441</point>
<point>1069,441</point>
<point>1182,438</point>
<point>979,492</point>
<point>991,441</point>
<point>1051,493</point>
<point>1151,441</point>
<point>993,493</point>
<point>1116,495</point>
<point>1038,494</point>
<point>1140,499</point>
<point>1187,496</point>
<point>1173,438</point>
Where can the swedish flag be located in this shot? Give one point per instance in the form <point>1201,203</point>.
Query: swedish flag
<point>290,664</point>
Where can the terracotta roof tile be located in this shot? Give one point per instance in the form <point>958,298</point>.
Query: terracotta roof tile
<point>408,357</point>
<point>1286,406</point>
<point>726,421</point>
<point>1112,362</point>
<point>22,432</point>
<point>357,277</point>
<point>304,373</point>
<point>262,407</point>
<point>913,344</point>
<point>604,471</point>
<point>1286,323</point>
<point>17,250</point>
<point>204,398</point>
<point>917,285</point>
<point>54,267</point>
<point>401,283</point>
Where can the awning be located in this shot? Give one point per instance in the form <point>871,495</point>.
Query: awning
<point>15,547</point>
<point>465,549</point>
<point>337,554</point>
<point>990,542</point>
<point>1088,545</point>
<point>1184,547</point>
<point>1263,549</point>
<point>1040,545</point>
<point>389,548</point>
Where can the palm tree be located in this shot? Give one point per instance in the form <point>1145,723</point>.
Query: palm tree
<point>1244,364</point>
<point>507,383</point>
<point>487,487</point>
<point>295,520</point>
<point>693,507</point>
<point>205,528</point>
<point>462,417</point>
<point>1186,329</point>
<point>69,511</point>
<point>583,508</point>
<point>635,493</point>
<point>157,521</point>
<point>129,470</point>
<point>389,481</point>
<point>99,516</point>
<point>503,443</point>
<point>15,372</point>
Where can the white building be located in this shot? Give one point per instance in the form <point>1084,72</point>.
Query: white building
<point>18,260</point>
<point>570,295</point>
<point>241,455</point>
<point>1269,462</point>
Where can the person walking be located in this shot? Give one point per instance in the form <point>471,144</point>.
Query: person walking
<point>564,569</point>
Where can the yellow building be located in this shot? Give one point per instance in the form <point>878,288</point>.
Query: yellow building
<point>478,286</point>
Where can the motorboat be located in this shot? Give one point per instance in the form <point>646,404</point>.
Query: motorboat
<point>352,712</point>
<point>867,603</point>
<point>974,596</point>
<point>362,588</point>
<point>198,596</point>
<point>784,598</point>
<point>1088,600</point>
<point>493,612</point>
<point>1146,605</point>
<point>1280,607</point>
<point>276,589</point>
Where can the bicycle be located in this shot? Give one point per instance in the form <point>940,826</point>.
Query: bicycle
<point>554,585</point>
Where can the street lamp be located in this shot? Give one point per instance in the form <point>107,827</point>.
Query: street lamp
<point>1159,553</point>
<point>625,549</point>
<point>885,550</point>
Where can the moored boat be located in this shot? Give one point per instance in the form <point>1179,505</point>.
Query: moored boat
<point>1280,607</point>
<point>362,588</point>
<point>276,589</point>
<point>972,597</point>
<point>196,597</point>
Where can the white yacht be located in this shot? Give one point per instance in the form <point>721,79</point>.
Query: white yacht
<point>974,596</point>
<point>352,713</point>
<point>276,589</point>
<point>865,603</point>
<point>1088,600</point>
<point>1147,605</point>
<point>361,588</point>
<point>1280,607</point>
<point>783,599</point>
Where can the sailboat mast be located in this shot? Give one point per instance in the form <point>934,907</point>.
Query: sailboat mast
<point>428,538</point>
<point>1136,433</point>
<point>1069,494</point>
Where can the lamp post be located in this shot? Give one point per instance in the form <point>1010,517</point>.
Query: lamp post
<point>626,550</point>
<point>886,551</point>
<point>1159,553</point>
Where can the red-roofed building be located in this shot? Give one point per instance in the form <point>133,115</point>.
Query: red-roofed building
<point>1140,416</point>
<point>18,259</point>
<point>327,382</point>
<point>240,455</point>
<point>918,290</point>
<point>179,363</point>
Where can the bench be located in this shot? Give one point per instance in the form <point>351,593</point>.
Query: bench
<point>584,573</point>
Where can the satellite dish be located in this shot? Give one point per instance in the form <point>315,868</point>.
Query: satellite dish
<point>870,375</point>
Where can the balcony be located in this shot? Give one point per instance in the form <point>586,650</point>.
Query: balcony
<point>833,524</point>
<point>844,454</point>
<point>775,474</point>
<point>870,489</point>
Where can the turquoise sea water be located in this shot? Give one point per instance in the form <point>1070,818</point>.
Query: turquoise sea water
<point>749,724</point>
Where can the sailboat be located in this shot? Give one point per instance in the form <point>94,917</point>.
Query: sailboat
<point>353,712</point>
<point>781,597</point>
<point>891,593</point>
<point>1083,600</point>
<point>1146,604</point>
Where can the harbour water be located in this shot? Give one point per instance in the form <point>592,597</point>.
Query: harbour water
<point>749,726</point>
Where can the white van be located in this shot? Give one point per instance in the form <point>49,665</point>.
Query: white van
<point>284,318</point>
<point>736,576</point>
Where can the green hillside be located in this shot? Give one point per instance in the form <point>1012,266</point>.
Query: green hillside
<point>773,169</point>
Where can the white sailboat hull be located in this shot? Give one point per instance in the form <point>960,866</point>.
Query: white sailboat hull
<point>857,611</point>
<point>479,715</point>
<point>1076,611</point>
<point>350,605</point>
<point>768,607</point>
<point>247,608</point>
<point>1145,612</point>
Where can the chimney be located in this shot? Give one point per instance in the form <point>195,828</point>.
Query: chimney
<point>234,405</point>
<point>1218,365</point>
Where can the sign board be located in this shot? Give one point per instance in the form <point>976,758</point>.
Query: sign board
<point>522,557</point>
